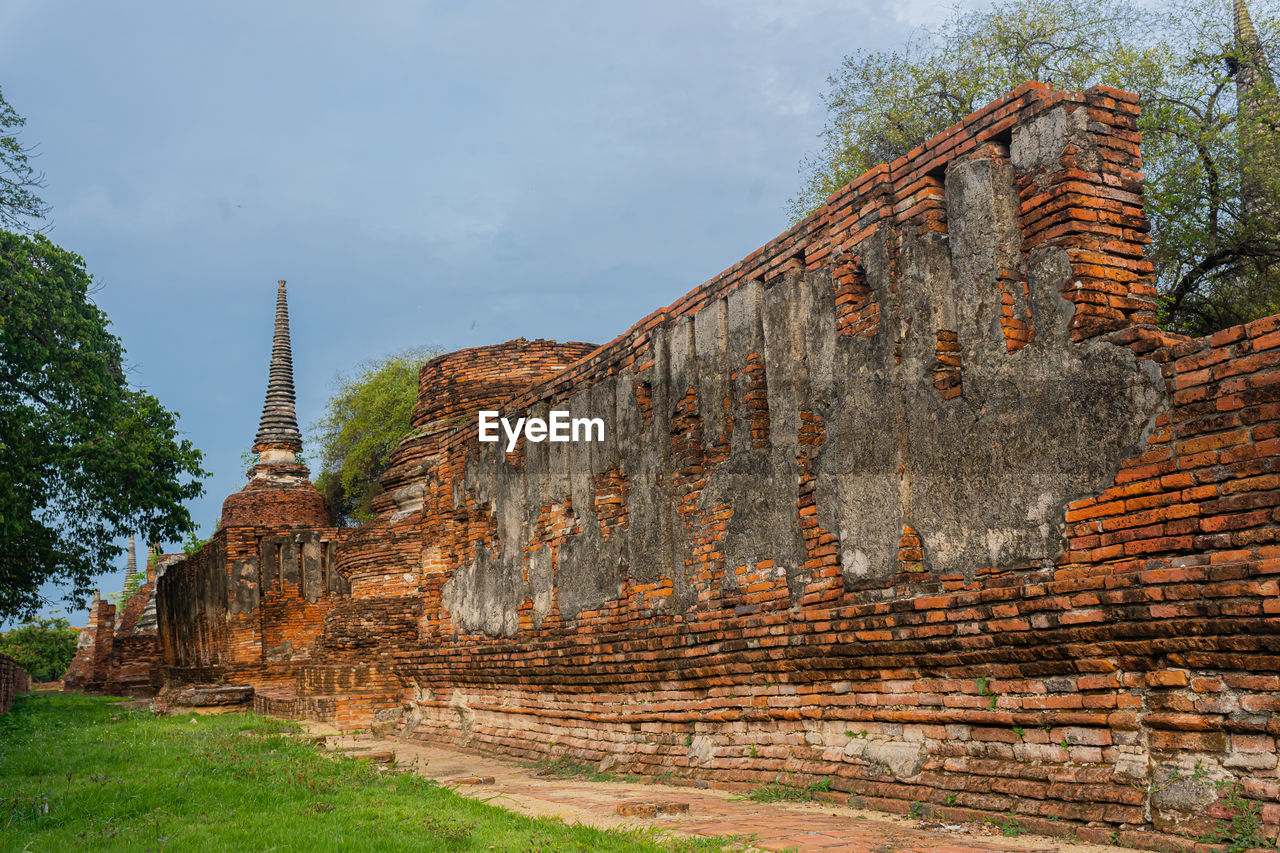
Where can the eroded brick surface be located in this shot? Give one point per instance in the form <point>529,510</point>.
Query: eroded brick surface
<point>91,665</point>
<point>913,498</point>
<point>118,651</point>
<point>14,682</point>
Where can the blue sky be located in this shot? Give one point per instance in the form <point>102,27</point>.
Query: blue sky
<point>437,174</point>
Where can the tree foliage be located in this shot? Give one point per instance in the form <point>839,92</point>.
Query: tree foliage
<point>43,647</point>
<point>1216,263</point>
<point>363,422</point>
<point>19,179</point>
<point>84,458</point>
<point>194,541</point>
<point>131,585</point>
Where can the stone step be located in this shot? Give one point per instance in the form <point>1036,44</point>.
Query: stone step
<point>652,809</point>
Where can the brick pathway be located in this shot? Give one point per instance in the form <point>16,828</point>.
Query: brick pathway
<point>773,826</point>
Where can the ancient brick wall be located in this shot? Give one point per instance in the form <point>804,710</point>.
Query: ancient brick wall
<point>352,672</point>
<point>250,604</point>
<point>1071,692</point>
<point>914,498</point>
<point>191,609</point>
<point>129,612</point>
<point>452,389</point>
<point>91,665</point>
<point>14,682</point>
<point>134,667</point>
<point>118,650</point>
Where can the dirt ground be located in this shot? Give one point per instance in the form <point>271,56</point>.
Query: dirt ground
<point>802,827</point>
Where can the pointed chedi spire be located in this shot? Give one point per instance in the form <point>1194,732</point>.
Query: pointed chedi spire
<point>1246,36</point>
<point>1258,112</point>
<point>278,428</point>
<point>131,567</point>
<point>296,502</point>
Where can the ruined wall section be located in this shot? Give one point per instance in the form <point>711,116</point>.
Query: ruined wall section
<point>913,498</point>
<point>134,668</point>
<point>14,682</point>
<point>990,255</point>
<point>250,605</point>
<point>91,665</point>
<point>387,559</point>
<point>352,671</point>
<point>129,612</point>
<point>192,612</point>
<point>300,587</point>
<point>452,390</point>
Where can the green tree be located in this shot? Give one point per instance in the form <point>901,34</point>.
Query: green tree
<point>1216,257</point>
<point>194,541</point>
<point>363,422</point>
<point>126,592</point>
<point>19,180</point>
<point>43,647</point>
<point>84,458</point>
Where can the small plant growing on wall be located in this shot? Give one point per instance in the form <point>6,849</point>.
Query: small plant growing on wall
<point>984,689</point>
<point>1007,824</point>
<point>1243,830</point>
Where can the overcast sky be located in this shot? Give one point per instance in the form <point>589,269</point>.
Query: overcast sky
<point>422,174</point>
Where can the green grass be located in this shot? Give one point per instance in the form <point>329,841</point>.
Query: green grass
<point>567,768</point>
<point>779,791</point>
<point>83,772</point>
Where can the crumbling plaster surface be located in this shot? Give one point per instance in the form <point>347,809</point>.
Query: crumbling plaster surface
<point>983,477</point>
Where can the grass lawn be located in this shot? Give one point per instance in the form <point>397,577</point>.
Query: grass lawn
<point>81,771</point>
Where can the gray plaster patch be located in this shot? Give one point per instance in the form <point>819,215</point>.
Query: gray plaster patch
<point>984,478</point>
<point>1040,143</point>
<point>244,585</point>
<point>899,759</point>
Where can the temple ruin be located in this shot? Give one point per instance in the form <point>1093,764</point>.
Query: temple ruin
<point>118,651</point>
<point>916,498</point>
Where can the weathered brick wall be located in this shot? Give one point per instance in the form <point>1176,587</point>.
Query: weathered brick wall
<point>91,665</point>
<point>134,668</point>
<point>1068,693</point>
<point>250,605</point>
<point>452,390</point>
<point>118,651</point>
<point>352,673</point>
<point>914,498</point>
<point>191,608</point>
<point>14,682</point>
<point>130,611</point>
